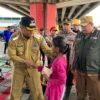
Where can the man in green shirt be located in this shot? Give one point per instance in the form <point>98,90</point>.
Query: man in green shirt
<point>87,56</point>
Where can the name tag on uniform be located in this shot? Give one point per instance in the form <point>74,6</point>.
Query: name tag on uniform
<point>20,46</point>
<point>15,38</point>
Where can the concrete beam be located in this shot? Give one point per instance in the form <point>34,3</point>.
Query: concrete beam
<point>63,13</point>
<point>93,7</point>
<point>42,1</point>
<point>71,12</point>
<point>74,2</point>
<point>81,10</point>
<point>19,10</point>
<point>31,1</point>
<point>25,8</point>
<point>14,2</point>
<point>61,0</point>
<point>5,6</point>
<point>21,0</point>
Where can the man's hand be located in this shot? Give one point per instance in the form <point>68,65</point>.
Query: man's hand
<point>30,64</point>
<point>69,42</point>
<point>49,43</point>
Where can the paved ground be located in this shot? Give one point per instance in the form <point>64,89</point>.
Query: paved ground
<point>27,96</point>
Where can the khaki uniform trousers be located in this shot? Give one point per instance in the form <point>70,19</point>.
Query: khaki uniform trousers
<point>34,86</point>
<point>88,83</point>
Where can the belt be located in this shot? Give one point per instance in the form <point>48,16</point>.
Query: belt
<point>87,74</point>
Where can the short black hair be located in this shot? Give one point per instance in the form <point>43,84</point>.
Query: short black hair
<point>9,27</point>
<point>59,42</point>
<point>41,29</point>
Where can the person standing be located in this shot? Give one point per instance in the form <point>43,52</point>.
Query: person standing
<point>69,35</point>
<point>57,80</point>
<point>7,35</point>
<point>75,24</point>
<point>53,32</point>
<point>42,32</point>
<point>87,64</point>
<point>24,51</point>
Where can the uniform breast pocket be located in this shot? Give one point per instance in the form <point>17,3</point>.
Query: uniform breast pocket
<point>20,51</point>
<point>35,49</point>
<point>94,43</point>
<point>77,41</point>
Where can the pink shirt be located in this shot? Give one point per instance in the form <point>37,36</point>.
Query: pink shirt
<point>55,86</point>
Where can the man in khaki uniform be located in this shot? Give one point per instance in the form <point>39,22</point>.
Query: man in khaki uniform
<point>24,50</point>
<point>87,56</point>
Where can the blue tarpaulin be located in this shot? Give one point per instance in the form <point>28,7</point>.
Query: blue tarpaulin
<point>2,32</point>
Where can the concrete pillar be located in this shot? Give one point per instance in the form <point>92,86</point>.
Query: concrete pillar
<point>44,14</point>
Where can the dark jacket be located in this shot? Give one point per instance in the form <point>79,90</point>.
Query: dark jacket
<point>78,31</point>
<point>88,53</point>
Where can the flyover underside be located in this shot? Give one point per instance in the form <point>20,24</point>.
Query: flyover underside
<point>65,8</point>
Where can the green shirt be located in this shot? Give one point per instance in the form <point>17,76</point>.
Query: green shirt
<point>88,52</point>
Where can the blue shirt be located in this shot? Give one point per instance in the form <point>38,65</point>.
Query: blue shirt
<point>45,35</point>
<point>7,35</point>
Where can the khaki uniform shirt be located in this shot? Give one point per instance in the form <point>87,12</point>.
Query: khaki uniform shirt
<point>21,48</point>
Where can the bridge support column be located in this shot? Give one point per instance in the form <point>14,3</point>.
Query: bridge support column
<point>44,14</point>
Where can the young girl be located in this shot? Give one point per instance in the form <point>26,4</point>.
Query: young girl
<point>57,80</point>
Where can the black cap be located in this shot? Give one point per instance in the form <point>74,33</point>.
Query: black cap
<point>28,22</point>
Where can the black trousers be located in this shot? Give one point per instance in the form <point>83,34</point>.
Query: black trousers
<point>6,45</point>
<point>69,85</point>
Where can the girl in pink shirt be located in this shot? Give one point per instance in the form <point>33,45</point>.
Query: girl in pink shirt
<point>57,80</point>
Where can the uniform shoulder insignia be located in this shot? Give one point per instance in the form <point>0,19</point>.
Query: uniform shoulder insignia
<point>15,35</point>
<point>15,38</point>
<point>38,36</point>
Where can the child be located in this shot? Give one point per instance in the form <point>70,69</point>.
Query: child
<point>56,82</point>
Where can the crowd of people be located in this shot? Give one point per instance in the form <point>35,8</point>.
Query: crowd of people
<point>73,54</point>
